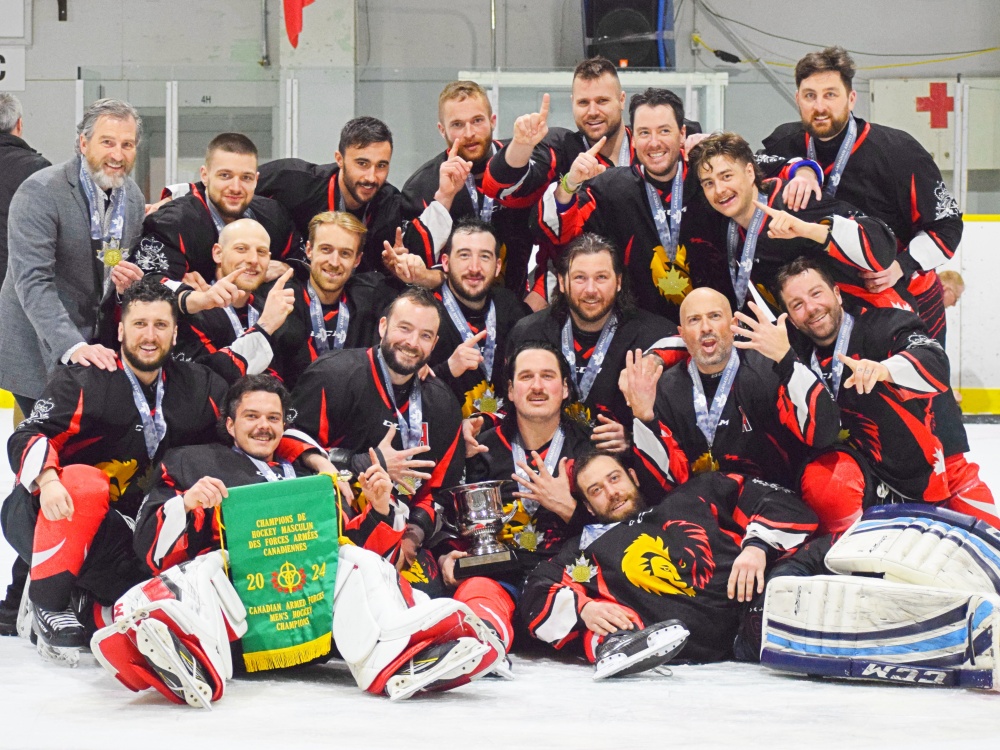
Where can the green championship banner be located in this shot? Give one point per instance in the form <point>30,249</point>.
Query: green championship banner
<point>282,542</point>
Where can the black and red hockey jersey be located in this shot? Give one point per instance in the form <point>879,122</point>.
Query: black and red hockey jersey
<point>509,218</point>
<point>88,416</point>
<point>179,236</point>
<point>636,330</point>
<point>672,560</point>
<point>341,401</point>
<point>166,533</point>
<point>776,413</point>
<point>307,189</point>
<point>615,205</point>
<point>894,425</point>
<point>366,296</point>
<point>472,389</point>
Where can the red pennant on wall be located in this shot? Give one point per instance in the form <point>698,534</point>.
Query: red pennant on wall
<point>293,19</point>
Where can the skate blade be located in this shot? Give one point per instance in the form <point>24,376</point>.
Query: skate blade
<point>25,613</point>
<point>663,645</point>
<point>153,640</point>
<point>460,660</point>
<point>65,657</point>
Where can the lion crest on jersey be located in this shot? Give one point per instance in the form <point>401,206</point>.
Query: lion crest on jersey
<point>120,473</point>
<point>678,562</point>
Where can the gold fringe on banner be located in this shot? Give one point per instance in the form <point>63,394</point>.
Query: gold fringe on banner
<point>290,656</point>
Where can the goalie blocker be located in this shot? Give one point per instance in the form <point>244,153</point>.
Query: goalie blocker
<point>172,633</point>
<point>932,619</point>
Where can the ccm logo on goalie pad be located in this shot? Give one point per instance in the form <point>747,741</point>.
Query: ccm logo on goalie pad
<point>894,673</point>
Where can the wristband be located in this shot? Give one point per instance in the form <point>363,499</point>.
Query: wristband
<point>564,184</point>
<point>794,167</point>
<point>182,299</point>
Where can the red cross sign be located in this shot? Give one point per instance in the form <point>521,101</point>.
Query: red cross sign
<point>939,104</point>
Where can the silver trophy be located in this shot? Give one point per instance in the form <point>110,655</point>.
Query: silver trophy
<point>479,511</point>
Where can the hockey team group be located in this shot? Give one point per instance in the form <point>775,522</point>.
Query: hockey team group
<point>708,387</point>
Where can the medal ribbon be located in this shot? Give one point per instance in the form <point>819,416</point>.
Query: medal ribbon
<point>708,419</point>
<point>107,224</point>
<point>252,316</point>
<point>320,334</point>
<point>489,347</point>
<point>840,163</point>
<point>668,227</point>
<point>551,462</point>
<point>154,426</point>
<point>836,366</point>
<point>486,210</point>
<point>594,531</point>
<point>585,383</point>
<point>266,471</point>
<point>740,270</point>
<point>411,432</point>
<point>217,217</point>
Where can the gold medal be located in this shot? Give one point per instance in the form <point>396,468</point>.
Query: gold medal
<point>112,256</point>
<point>579,413</point>
<point>407,486</point>
<point>704,463</point>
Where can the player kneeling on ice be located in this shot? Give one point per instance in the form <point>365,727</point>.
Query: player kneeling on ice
<point>915,599</point>
<point>173,632</point>
<point>647,579</point>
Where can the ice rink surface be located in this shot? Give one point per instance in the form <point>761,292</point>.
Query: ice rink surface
<point>553,703</point>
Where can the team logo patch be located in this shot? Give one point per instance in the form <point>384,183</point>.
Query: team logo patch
<point>415,573</point>
<point>288,579</point>
<point>678,562</point>
<point>946,204</point>
<point>120,473</point>
<point>150,256</point>
<point>39,412</point>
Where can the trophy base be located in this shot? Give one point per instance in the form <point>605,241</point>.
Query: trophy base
<point>485,565</point>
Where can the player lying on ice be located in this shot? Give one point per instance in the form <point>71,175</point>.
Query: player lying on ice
<point>648,577</point>
<point>173,632</point>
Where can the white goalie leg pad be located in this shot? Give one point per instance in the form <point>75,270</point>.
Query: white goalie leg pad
<point>180,623</point>
<point>922,546</point>
<point>855,627</point>
<point>374,627</point>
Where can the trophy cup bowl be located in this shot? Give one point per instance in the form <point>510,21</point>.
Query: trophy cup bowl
<point>480,518</point>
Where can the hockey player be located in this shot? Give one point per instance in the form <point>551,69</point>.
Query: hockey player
<point>178,238</point>
<point>647,572</point>
<point>760,235</point>
<point>651,213</point>
<point>241,337</point>
<point>594,323</point>
<point>335,307</point>
<point>466,122</point>
<point>881,170</point>
<point>176,521</point>
<point>883,369</point>
<point>357,183</point>
<point>750,413</point>
<point>479,315</point>
<point>535,446</point>
<point>346,400</point>
<point>915,602</point>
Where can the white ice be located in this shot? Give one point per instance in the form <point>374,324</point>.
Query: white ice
<point>553,703</point>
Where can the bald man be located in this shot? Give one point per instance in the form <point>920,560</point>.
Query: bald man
<point>732,407</point>
<point>236,326</point>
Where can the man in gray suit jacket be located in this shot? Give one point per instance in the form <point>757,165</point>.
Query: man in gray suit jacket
<point>69,228</point>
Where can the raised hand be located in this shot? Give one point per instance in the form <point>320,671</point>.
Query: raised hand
<point>278,305</point>
<point>452,175</point>
<point>124,275</point>
<point>470,433</point>
<point>586,166</point>
<point>784,226</point>
<point>638,383</point>
<point>865,373</point>
<point>529,130</point>
<point>770,339</point>
<point>466,355</point>
<point>222,293</point>
<point>376,484</point>
<point>548,491</point>
<point>401,464</point>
